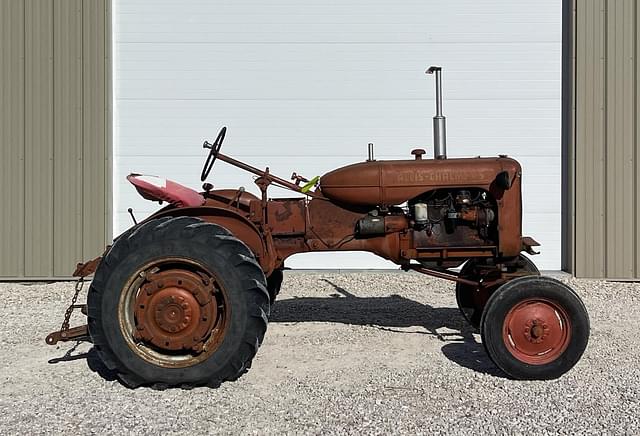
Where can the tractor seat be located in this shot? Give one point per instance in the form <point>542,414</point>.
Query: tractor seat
<point>158,189</point>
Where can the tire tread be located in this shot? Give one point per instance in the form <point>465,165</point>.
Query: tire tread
<point>217,238</point>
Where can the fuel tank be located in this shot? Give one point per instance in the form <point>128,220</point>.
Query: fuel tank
<point>392,182</point>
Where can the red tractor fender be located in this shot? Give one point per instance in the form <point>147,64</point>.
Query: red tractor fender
<point>237,224</point>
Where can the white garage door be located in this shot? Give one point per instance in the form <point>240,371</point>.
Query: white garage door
<point>304,86</point>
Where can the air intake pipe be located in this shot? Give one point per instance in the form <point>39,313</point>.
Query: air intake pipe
<point>439,121</point>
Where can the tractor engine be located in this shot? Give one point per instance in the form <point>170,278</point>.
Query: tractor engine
<point>454,216</point>
<point>449,209</point>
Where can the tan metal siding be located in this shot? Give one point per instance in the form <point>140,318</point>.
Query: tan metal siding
<point>38,184</point>
<point>96,216</point>
<point>55,65</point>
<point>590,24</point>
<point>606,168</point>
<point>67,116</point>
<point>620,139</point>
<point>12,137</point>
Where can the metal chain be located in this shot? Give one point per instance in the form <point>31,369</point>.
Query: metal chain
<point>67,315</point>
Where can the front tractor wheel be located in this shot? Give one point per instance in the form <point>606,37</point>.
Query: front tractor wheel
<point>535,328</point>
<point>178,302</point>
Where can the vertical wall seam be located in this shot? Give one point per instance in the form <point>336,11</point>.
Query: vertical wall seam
<point>567,152</point>
<point>53,139</point>
<point>24,139</point>
<point>53,136</point>
<point>574,128</point>
<point>634,167</point>
<point>605,114</point>
<point>82,137</point>
<point>108,56</point>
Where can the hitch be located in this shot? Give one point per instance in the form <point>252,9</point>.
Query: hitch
<point>89,267</point>
<point>80,333</point>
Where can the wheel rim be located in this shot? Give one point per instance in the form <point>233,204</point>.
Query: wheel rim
<point>173,313</point>
<point>537,331</point>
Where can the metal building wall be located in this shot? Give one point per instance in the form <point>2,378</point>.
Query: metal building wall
<point>607,141</point>
<point>54,135</point>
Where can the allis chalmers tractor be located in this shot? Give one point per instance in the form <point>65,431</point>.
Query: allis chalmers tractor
<point>183,297</point>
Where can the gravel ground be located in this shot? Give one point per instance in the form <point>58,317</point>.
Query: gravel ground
<point>348,353</point>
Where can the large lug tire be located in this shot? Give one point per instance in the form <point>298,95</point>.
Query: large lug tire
<point>274,283</point>
<point>178,302</point>
<point>535,328</point>
<point>471,301</point>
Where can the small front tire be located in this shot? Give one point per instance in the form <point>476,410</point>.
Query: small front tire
<point>535,328</point>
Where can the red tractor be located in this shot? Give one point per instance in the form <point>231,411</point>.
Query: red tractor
<point>183,298</point>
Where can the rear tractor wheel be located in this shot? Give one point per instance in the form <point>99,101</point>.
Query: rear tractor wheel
<point>178,302</point>
<point>535,328</point>
<point>472,300</point>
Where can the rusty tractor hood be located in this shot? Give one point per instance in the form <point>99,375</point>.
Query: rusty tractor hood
<point>393,182</point>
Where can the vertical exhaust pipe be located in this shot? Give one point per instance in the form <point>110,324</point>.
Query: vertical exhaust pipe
<point>439,121</point>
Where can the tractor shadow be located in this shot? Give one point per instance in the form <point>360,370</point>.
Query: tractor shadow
<point>93,360</point>
<point>393,314</point>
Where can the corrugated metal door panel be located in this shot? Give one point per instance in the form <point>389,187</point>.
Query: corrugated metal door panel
<point>38,181</point>
<point>12,138</point>
<point>94,194</point>
<point>67,225</point>
<point>305,86</point>
<point>590,137</point>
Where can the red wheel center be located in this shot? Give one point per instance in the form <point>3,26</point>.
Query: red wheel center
<point>175,310</point>
<point>536,331</point>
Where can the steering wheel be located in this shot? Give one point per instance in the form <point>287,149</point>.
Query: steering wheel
<point>213,154</point>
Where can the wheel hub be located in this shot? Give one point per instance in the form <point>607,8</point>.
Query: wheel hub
<point>536,331</point>
<point>175,310</point>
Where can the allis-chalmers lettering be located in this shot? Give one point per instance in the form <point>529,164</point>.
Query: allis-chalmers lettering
<point>444,177</point>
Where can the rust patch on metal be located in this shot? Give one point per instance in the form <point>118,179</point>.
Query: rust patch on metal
<point>73,334</point>
<point>87,268</point>
<point>174,310</point>
<point>286,217</point>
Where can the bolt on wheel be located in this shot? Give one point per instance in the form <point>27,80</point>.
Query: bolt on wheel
<point>535,328</point>
<point>537,331</point>
<point>178,302</point>
<point>173,313</point>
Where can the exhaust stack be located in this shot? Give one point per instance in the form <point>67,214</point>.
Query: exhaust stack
<point>439,121</point>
